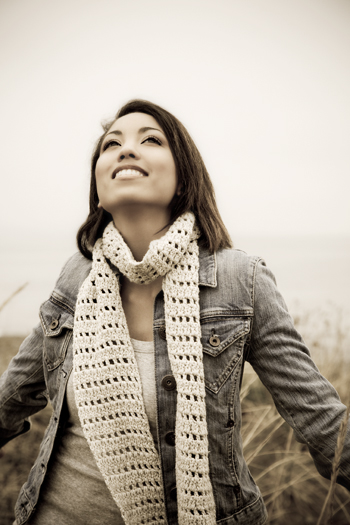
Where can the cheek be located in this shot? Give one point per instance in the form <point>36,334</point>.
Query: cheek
<point>169,169</point>
<point>97,179</point>
<point>100,172</point>
<point>98,168</point>
<point>104,162</point>
<point>100,182</point>
<point>175,181</point>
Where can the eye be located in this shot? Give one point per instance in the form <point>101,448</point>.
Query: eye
<point>110,143</point>
<point>153,139</point>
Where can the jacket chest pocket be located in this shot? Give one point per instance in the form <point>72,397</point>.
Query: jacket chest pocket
<point>223,340</point>
<point>57,324</point>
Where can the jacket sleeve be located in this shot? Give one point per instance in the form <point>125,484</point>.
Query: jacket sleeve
<point>22,388</point>
<point>303,397</point>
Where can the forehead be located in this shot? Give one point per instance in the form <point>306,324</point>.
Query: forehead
<point>133,122</point>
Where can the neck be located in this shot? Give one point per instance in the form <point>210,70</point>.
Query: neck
<point>139,227</point>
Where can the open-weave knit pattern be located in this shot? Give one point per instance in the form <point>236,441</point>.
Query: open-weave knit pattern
<point>108,386</point>
<point>109,398</point>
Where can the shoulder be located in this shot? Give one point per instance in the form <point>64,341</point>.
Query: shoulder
<point>227,264</point>
<point>245,270</point>
<point>228,278</point>
<point>72,276</point>
<point>237,262</point>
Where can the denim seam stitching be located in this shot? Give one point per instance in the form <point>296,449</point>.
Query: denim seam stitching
<point>253,282</point>
<point>62,303</point>
<point>63,351</point>
<point>20,385</point>
<point>242,510</point>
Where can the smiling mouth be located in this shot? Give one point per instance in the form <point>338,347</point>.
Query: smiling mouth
<point>128,173</point>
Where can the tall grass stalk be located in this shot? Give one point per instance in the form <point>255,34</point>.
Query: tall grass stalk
<point>280,474</point>
<point>2,306</point>
<point>327,509</point>
<point>263,442</point>
<point>292,489</point>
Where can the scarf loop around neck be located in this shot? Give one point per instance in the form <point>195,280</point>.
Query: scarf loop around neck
<point>108,387</point>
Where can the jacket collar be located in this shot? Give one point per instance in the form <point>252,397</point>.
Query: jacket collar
<point>207,268</point>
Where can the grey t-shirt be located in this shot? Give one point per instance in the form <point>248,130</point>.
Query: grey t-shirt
<point>74,492</point>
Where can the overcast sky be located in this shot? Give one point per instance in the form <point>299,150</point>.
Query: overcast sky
<point>262,85</point>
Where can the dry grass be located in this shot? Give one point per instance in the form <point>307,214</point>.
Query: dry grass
<point>293,490</point>
<point>327,509</point>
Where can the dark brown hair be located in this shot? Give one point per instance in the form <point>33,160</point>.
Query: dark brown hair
<point>197,192</point>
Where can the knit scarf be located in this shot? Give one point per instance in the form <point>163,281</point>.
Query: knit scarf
<point>107,382</point>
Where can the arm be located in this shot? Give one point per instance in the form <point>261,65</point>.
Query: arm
<point>303,397</point>
<point>22,388</point>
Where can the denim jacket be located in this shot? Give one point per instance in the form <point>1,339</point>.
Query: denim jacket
<point>243,317</point>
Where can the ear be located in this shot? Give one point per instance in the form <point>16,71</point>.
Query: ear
<point>99,205</point>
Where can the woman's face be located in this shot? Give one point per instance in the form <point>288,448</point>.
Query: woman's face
<point>136,166</point>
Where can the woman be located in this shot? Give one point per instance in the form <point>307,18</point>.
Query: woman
<point>141,351</point>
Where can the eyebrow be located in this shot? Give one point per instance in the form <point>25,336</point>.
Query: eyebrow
<point>141,130</point>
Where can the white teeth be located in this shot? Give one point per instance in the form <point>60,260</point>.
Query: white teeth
<point>129,172</point>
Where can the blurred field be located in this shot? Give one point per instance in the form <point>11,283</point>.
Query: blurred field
<point>293,490</point>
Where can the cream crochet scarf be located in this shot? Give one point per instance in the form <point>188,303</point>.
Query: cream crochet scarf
<point>107,383</point>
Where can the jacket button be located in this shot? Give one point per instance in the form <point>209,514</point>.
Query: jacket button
<point>169,382</point>
<point>230,423</point>
<point>173,494</point>
<point>162,333</point>
<point>214,340</point>
<point>170,439</point>
<point>54,324</point>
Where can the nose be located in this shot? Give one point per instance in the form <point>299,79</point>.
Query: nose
<point>128,151</point>
<point>132,155</point>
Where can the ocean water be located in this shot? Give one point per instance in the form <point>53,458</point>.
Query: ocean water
<point>312,273</point>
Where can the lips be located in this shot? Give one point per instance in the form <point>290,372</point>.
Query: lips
<point>128,172</point>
